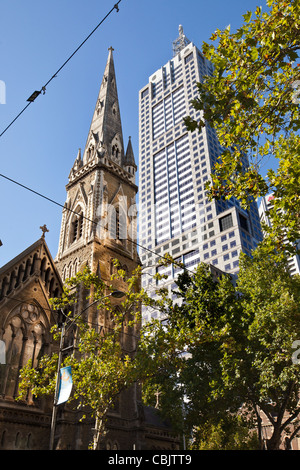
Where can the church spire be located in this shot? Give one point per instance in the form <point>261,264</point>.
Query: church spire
<point>129,160</point>
<point>105,134</point>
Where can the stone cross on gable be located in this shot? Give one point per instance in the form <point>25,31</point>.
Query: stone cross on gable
<point>44,230</point>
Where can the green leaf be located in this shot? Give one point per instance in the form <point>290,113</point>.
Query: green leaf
<point>254,54</point>
<point>247,16</point>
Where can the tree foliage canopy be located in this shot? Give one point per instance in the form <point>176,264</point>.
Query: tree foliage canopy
<point>229,347</point>
<point>101,365</point>
<point>252,101</point>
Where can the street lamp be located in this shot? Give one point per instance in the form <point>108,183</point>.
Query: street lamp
<point>116,294</point>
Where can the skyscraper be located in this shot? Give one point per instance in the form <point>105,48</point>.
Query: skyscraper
<point>175,215</point>
<point>264,207</point>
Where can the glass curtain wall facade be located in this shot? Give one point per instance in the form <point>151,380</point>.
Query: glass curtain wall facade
<point>266,204</point>
<point>175,215</point>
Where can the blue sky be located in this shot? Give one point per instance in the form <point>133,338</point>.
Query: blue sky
<point>36,37</point>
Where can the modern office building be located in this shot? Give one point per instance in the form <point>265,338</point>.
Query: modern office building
<point>264,207</point>
<point>175,215</point>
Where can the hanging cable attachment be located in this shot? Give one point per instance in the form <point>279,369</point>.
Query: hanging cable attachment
<point>34,95</point>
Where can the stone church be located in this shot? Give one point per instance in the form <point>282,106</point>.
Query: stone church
<point>98,225</point>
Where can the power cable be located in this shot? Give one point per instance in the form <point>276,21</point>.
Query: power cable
<point>32,98</point>
<point>90,220</point>
<point>45,197</point>
<point>35,94</point>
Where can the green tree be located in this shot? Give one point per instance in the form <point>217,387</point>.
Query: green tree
<point>270,301</point>
<point>230,350</point>
<point>252,101</point>
<point>101,366</point>
<point>230,433</point>
<point>186,354</point>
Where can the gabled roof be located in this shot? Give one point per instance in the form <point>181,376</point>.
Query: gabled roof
<point>36,248</point>
<point>7,267</point>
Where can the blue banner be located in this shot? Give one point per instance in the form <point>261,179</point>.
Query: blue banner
<point>65,384</point>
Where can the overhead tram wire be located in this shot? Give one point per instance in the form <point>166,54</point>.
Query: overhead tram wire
<point>32,98</point>
<point>86,218</point>
<point>45,197</point>
<point>35,94</point>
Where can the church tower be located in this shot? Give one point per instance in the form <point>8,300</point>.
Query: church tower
<point>99,217</point>
<point>99,225</point>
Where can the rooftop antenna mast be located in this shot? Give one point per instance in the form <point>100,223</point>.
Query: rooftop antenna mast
<point>181,42</point>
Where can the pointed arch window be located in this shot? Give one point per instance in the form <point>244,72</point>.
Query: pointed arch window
<point>77,228</point>
<point>120,225</point>
<point>90,152</point>
<point>26,337</point>
<point>115,151</point>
